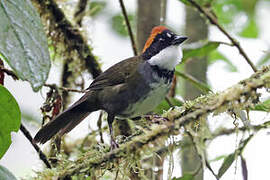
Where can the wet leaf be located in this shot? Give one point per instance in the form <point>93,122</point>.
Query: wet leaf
<point>23,43</point>
<point>10,119</point>
<point>5,174</point>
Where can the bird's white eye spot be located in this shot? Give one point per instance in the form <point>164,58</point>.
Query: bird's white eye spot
<point>161,39</point>
<point>169,35</point>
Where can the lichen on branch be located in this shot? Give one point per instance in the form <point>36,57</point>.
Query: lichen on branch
<point>240,96</point>
<point>67,39</point>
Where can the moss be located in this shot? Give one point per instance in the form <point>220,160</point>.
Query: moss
<point>149,140</point>
<point>68,42</point>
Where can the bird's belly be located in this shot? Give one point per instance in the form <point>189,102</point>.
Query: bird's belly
<point>147,102</point>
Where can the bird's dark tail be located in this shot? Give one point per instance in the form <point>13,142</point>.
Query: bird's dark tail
<point>67,120</point>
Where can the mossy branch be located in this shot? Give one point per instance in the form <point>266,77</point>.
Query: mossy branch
<point>240,96</point>
<point>67,38</point>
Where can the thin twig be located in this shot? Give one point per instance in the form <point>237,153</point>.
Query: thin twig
<point>172,90</point>
<point>163,8</point>
<point>224,43</point>
<point>169,101</point>
<point>26,133</point>
<point>8,72</point>
<point>234,41</point>
<point>99,124</point>
<point>80,11</point>
<point>2,74</point>
<point>116,175</point>
<point>42,156</point>
<point>201,86</point>
<point>53,86</point>
<point>134,47</point>
<point>244,128</point>
<point>211,170</point>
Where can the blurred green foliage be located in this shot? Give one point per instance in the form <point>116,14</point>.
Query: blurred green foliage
<point>215,55</point>
<point>96,7</point>
<point>229,11</point>
<point>200,50</point>
<point>264,106</point>
<point>185,177</point>
<point>165,105</point>
<point>119,25</point>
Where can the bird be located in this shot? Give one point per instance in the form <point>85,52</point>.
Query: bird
<point>128,89</point>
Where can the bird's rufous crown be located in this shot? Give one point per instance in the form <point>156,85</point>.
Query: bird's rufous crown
<point>156,30</point>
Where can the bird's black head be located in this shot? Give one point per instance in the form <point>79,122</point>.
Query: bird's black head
<point>160,38</point>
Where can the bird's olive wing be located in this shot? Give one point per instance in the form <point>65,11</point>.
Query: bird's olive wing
<point>117,74</point>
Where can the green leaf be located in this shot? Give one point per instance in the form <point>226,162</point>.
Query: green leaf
<point>5,174</point>
<point>10,119</point>
<point>249,6</point>
<point>218,56</point>
<point>119,25</point>
<point>186,2</point>
<point>165,106</point>
<point>218,158</point>
<point>226,10</point>
<point>96,7</point>
<point>264,60</point>
<point>23,43</point>
<point>231,157</point>
<point>185,177</point>
<point>199,51</point>
<point>250,30</point>
<point>200,85</point>
<point>264,106</point>
<point>226,164</point>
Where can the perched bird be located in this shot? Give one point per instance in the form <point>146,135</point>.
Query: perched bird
<point>130,88</point>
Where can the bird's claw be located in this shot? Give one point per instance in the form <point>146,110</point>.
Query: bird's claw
<point>114,145</point>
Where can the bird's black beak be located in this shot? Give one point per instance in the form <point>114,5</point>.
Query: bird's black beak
<point>178,40</point>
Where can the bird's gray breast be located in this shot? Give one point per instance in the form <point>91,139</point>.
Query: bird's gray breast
<point>157,88</point>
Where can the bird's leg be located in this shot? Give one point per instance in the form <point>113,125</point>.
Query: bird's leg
<point>157,119</point>
<point>110,119</point>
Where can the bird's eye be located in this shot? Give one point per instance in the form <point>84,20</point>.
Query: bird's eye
<point>161,39</point>
<point>169,35</point>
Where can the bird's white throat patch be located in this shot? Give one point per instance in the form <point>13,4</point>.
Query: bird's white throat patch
<point>167,58</point>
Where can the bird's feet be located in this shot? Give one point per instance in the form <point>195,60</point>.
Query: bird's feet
<point>156,119</point>
<point>114,145</point>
